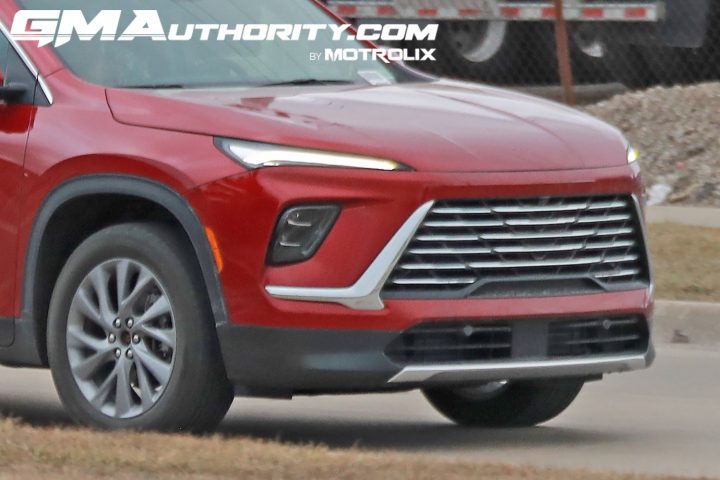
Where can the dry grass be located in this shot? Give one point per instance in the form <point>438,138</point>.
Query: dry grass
<point>35,453</point>
<point>686,261</point>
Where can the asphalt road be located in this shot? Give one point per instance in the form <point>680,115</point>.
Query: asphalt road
<point>665,420</point>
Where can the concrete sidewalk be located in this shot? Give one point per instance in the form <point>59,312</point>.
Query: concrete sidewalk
<point>696,323</point>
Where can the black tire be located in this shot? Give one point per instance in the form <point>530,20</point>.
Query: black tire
<point>515,404</point>
<point>628,65</point>
<point>520,58</point>
<point>198,394</point>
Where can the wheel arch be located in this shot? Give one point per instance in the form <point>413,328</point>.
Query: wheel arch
<point>29,348</point>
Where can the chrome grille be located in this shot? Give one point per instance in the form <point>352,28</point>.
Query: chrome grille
<point>503,247</point>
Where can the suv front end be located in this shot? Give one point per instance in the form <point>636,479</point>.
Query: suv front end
<point>434,279</point>
<point>221,218</point>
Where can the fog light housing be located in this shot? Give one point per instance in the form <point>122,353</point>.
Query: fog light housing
<point>299,233</point>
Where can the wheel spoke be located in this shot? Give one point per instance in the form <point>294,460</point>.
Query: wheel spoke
<point>144,281</point>
<point>99,279</point>
<point>123,392</point>
<point>85,306</point>
<point>122,271</point>
<point>80,339</point>
<point>159,308</point>
<point>157,368</point>
<point>88,366</point>
<point>146,389</point>
<point>164,336</point>
<point>101,395</point>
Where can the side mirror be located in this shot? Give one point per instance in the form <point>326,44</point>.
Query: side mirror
<point>12,91</point>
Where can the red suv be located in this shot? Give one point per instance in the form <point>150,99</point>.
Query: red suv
<point>183,222</point>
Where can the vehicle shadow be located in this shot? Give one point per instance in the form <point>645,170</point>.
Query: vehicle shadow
<point>351,429</point>
<point>36,413</point>
<point>410,436</point>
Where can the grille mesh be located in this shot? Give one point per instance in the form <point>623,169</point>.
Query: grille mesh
<point>463,341</point>
<point>597,336</point>
<point>506,247</point>
<point>450,342</point>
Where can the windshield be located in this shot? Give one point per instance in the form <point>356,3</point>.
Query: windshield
<point>148,63</point>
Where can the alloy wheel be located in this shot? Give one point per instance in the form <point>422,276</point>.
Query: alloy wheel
<point>478,41</point>
<point>121,338</point>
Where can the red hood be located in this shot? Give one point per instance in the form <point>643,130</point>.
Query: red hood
<point>441,126</point>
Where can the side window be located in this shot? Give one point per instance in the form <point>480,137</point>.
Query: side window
<point>15,70</point>
<point>4,48</point>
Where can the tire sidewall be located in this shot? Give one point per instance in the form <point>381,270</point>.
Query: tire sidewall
<point>519,404</point>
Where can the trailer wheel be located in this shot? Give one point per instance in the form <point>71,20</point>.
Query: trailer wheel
<point>492,51</point>
<point>588,50</point>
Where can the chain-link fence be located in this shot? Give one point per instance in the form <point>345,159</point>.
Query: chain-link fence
<point>634,42</point>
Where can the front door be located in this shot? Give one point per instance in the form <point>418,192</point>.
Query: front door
<point>15,122</point>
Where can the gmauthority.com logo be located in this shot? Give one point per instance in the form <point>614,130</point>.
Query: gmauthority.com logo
<point>58,27</point>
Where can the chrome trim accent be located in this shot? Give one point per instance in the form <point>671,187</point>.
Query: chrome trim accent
<point>621,273</point>
<point>566,247</point>
<point>433,266</point>
<point>521,249</point>
<point>427,281</point>
<point>608,245</point>
<point>525,222</point>
<point>520,264</point>
<point>435,281</point>
<point>568,234</point>
<point>447,238</point>
<point>514,370</point>
<point>461,211</point>
<point>562,234</point>
<point>575,207</point>
<point>463,223</point>
<point>28,63</point>
<point>646,245</point>
<point>450,251</point>
<point>365,293</point>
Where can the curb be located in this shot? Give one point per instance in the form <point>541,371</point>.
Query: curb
<point>696,323</point>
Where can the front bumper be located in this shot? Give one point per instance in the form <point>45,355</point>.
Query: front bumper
<point>279,362</point>
<point>275,346</point>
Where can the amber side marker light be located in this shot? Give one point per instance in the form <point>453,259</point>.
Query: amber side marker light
<point>212,239</point>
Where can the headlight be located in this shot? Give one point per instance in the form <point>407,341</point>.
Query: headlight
<point>633,155</point>
<point>257,155</point>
